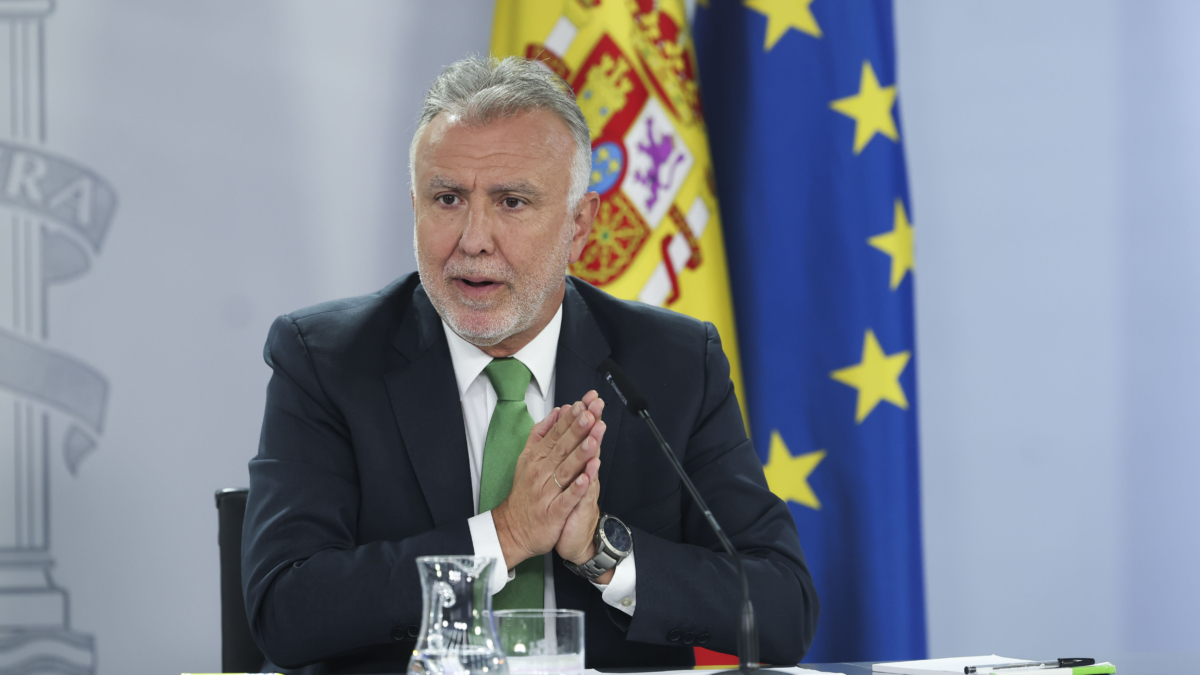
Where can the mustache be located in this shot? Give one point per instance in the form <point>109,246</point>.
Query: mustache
<point>493,269</point>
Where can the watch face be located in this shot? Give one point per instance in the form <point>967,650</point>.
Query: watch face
<point>617,535</point>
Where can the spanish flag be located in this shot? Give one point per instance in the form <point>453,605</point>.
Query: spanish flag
<point>657,237</point>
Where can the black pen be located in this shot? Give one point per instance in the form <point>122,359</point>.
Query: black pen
<point>1057,663</point>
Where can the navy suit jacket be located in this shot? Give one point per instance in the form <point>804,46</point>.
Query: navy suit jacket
<point>363,466</point>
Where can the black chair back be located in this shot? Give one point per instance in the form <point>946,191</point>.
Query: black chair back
<point>239,653</point>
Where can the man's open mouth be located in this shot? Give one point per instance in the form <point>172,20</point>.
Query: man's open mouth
<point>481,283</point>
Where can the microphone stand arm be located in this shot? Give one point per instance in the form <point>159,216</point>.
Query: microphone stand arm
<point>747,631</point>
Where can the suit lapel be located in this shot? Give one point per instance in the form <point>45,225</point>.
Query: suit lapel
<point>426,403</point>
<point>581,348</point>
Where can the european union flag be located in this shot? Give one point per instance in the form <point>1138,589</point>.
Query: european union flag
<point>800,101</point>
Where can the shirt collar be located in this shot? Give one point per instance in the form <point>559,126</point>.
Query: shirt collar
<point>538,356</point>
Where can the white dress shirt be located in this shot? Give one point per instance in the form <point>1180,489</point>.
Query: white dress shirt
<point>478,403</point>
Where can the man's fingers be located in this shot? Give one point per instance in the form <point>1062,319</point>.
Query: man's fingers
<point>595,406</point>
<point>597,432</point>
<point>566,415</point>
<point>563,504</point>
<point>575,463</point>
<point>592,471</point>
<point>592,496</point>
<point>574,423</point>
<point>541,428</point>
<point>573,434</point>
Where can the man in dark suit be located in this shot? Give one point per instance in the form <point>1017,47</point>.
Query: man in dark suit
<point>401,424</point>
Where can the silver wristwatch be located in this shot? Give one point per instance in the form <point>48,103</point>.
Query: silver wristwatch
<point>614,543</point>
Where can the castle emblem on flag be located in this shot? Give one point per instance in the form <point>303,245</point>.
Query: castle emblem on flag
<point>609,90</point>
<point>605,91</point>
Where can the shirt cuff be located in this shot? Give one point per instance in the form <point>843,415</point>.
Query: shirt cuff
<point>486,543</point>
<point>621,592</point>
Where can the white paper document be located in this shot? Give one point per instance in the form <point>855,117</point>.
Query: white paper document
<point>952,666</point>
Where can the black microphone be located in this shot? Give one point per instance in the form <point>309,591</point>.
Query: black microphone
<point>638,405</point>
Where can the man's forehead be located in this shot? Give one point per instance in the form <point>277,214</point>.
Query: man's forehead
<point>536,135</point>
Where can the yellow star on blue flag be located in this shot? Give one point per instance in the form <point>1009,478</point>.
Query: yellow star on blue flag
<point>785,15</point>
<point>898,243</point>
<point>787,476</point>
<point>876,377</point>
<point>870,108</point>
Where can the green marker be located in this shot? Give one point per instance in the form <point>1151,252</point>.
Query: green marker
<point>1098,669</point>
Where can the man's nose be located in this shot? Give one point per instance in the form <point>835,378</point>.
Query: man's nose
<point>477,237</point>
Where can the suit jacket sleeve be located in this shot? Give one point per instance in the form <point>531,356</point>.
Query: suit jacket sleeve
<point>678,582</point>
<point>311,592</point>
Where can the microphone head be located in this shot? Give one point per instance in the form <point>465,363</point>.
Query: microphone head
<point>626,391</point>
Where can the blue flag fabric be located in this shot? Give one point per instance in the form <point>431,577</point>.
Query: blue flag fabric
<point>800,101</point>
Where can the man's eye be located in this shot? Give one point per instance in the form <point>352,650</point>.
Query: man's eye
<point>448,200</point>
<point>512,202</point>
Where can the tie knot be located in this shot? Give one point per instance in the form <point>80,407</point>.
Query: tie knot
<point>509,377</point>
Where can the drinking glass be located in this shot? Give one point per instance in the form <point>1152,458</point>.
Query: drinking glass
<point>541,641</point>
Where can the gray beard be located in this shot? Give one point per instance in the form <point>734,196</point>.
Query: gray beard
<point>527,300</point>
<point>513,320</point>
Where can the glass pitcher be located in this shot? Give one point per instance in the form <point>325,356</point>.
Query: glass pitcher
<point>457,634</point>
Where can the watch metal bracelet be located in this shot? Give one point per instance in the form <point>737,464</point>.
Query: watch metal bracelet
<point>594,568</point>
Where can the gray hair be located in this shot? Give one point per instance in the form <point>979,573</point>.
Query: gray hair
<point>480,91</point>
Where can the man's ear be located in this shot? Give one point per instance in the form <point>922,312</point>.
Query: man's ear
<point>584,218</point>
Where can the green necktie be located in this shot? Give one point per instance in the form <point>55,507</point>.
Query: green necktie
<point>506,436</point>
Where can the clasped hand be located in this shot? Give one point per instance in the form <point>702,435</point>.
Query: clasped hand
<point>539,516</point>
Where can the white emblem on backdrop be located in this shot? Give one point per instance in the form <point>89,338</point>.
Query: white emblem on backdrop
<point>54,215</point>
<point>659,161</point>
